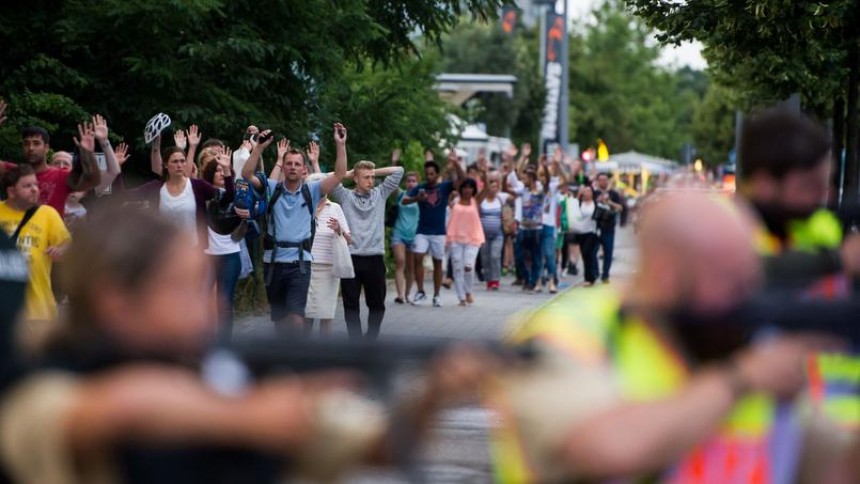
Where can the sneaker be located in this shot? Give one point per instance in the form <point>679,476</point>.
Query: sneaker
<point>463,304</point>
<point>399,300</point>
<point>604,280</point>
<point>518,282</point>
<point>470,299</point>
<point>552,288</point>
<point>437,301</point>
<point>419,298</point>
<point>538,289</point>
<point>489,285</point>
<point>572,270</point>
<point>494,285</point>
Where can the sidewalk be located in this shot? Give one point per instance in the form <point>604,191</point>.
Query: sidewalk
<point>488,318</point>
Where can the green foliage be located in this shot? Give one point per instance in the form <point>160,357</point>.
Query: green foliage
<point>619,94</point>
<point>714,125</point>
<point>480,48</point>
<point>288,65</point>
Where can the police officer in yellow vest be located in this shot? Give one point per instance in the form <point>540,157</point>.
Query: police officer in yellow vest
<point>655,382</point>
<point>786,166</point>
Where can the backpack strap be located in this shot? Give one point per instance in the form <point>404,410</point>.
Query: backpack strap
<point>309,201</point>
<point>27,216</point>
<point>270,222</point>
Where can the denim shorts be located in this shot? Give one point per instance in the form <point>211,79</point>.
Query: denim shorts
<point>288,291</point>
<point>396,240</point>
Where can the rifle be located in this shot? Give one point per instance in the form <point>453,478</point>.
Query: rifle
<point>231,366</point>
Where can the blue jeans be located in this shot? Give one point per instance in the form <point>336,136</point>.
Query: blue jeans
<point>607,241</point>
<point>227,268</point>
<point>520,257</point>
<point>530,245</point>
<point>547,247</point>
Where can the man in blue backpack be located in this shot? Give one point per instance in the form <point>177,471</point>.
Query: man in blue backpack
<point>291,226</point>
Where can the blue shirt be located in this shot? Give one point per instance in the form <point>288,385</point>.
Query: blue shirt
<point>407,220</point>
<point>432,211</point>
<point>292,220</point>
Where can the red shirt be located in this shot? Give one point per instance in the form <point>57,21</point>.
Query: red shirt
<point>54,188</point>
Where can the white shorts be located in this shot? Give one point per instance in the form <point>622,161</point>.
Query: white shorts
<point>322,293</point>
<point>434,244</point>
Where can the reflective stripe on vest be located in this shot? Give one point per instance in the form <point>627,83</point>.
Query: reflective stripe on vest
<point>834,387</point>
<point>587,327</point>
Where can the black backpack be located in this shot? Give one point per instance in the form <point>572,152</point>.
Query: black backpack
<point>269,240</point>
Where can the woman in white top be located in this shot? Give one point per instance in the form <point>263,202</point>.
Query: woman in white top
<point>584,227</point>
<point>323,290</point>
<point>223,249</point>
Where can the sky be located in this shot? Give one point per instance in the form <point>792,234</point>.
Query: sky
<point>686,54</point>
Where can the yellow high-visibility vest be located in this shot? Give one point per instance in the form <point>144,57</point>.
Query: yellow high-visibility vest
<point>587,326</point>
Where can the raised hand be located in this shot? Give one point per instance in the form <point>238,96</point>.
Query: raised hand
<point>2,111</point>
<point>339,134</point>
<point>428,155</point>
<point>224,158</point>
<point>527,150</point>
<point>395,157</point>
<point>283,148</point>
<point>194,135</point>
<point>180,139</point>
<point>265,144</point>
<point>557,154</point>
<point>100,128</point>
<point>87,140</point>
<point>121,153</point>
<point>313,152</point>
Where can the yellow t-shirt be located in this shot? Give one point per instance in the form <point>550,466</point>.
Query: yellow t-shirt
<point>44,230</point>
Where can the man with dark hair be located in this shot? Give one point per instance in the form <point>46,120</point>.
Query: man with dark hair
<point>785,167</point>
<point>785,164</point>
<point>40,235</point>
<point>55,184</point>
<point>432,199</point>
<point>603,193</point>
<point>291,226</point>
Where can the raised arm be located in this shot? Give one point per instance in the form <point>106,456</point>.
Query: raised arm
<point>524,159</point>
<point>254,159</point>
<point>194,136</point>
<point>454,165</point>
<point>313,156</point>
<point>86,175</point>
<point>283,148</point>
<point>155,162</point>
<point>113,168</point>
<point>333,180</point>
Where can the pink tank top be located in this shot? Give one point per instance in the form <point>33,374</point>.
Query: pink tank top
<point>464,226</point>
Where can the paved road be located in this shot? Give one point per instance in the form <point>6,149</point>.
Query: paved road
<point>459,451</point>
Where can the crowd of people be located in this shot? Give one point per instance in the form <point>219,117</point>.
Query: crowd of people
<point>669,378</point>
<point>485,219</point>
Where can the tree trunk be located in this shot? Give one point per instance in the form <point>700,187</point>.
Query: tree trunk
<point>838,135</point>
<point>851,135</point>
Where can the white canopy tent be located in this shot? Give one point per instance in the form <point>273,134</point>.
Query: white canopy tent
<point>634,162</point>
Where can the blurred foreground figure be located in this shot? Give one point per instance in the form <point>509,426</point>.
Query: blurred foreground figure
<point>657,383</point>
<point>118,399</point>
<point>787,162</point>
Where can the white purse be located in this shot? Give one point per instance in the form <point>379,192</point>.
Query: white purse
<point>342,261</point>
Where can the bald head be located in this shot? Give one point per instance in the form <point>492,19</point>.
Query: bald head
<point>696,249</point>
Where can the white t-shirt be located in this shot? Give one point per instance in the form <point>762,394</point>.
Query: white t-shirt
<point>182,209</point>
<point>579,217</point>
<point>221,244</point>
<point>324,239</point>
<point>550,202</point>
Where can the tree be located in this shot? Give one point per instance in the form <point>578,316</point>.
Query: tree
<point>219,63</point>
<point>767,50</point>
<point>713,125</point>
<point>619,94</point>
<point>482,48</point>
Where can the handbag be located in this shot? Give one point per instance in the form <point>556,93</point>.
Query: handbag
<point>602,215</point>
<point>341,259</point>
